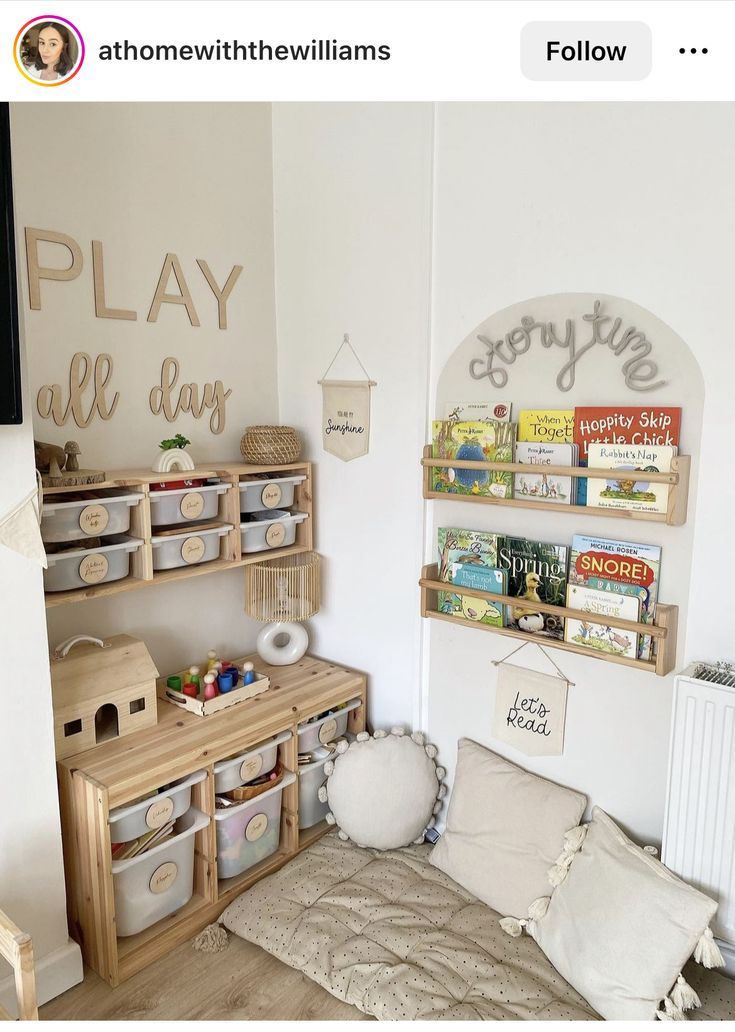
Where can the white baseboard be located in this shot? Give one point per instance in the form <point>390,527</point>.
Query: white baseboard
<point>727,949</point>
<point>55,973</point>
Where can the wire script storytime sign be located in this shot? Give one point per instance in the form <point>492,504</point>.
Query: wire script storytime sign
<point>530,710</point>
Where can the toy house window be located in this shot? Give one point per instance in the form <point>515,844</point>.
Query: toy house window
<point>137,705</point>
<point>72,727</point>
<point>106,723</point>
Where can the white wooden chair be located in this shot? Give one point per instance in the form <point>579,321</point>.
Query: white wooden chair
<point>17,948</point>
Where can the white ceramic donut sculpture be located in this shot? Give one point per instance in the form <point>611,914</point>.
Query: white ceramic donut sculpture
<point>383,791</point>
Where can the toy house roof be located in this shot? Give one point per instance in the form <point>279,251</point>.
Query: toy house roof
<point>90,672</point>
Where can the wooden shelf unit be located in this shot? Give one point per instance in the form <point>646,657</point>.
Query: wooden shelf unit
<point>111,775</point>
<point>677,479</point>
<point>663,630</point>
<point>142,574</point>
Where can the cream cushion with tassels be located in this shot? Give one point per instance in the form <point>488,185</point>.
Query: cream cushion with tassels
<point>505,827</point>
<point>620,927</point>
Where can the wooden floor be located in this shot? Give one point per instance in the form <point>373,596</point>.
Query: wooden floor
<point>243,982</point>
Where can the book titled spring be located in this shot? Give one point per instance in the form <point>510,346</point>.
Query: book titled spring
<point>484,578</point>
<point>594,561</point>
<point>537,572</point>
<point>547,426</point>
<point>629,488</point>
<point>473,441</point>
<point>463,548</point>
<point>600,637</point>
<point>545,487</point>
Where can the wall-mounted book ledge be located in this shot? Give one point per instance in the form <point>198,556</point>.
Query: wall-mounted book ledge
<point>677,479</point>
<point>663,630</point>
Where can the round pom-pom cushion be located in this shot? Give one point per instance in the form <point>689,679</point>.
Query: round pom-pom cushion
<point>383,790</point>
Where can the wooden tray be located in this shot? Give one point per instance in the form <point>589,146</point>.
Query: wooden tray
<point>204,707</point>
<point>245,792</point>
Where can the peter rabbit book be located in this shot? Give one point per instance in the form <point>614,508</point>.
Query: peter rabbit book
<point>474,441</point>
<point>471,575</point>
<point>548,426</point>
<point>599,636</point>
<point>537,572</point>
<point>629,488</point>
<point>622,425</point>
<point>463,548</point>
<point>545,487</point>
<point>467,411</point>
<point>596,560</point>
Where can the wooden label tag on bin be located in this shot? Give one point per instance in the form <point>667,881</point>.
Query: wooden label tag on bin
<point>93,519</point>
<point>328,730</point>
<point>192,505</point>
<point>159,813</point>
<point>192,549</point>
<point>275,535</point>
<point>271,496</point>
<point>93,568</point>
<point>256,827</point>
<point>163,877</point>
<point>250,768</point>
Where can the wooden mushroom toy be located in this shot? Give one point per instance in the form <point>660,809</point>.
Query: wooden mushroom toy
<point>72,450</point>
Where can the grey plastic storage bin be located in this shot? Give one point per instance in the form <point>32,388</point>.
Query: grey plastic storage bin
<point>250,832</point>
<point>153,885</point>
<point>94,516</point>
<point>184,549</point>
<point>311,778</point>
<point>129,822</point>
<point>185,504</point>
<point>84,567</point>
<point>260,759</point>
<point>268,493</point>
<point>326,729</point>
<point>270,528</point>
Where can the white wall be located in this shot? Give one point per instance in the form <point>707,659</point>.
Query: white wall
<point>352,207</point>
<point>146,179</point>
<point>527,200</point>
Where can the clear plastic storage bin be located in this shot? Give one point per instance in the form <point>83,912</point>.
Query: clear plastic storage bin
<point>157,883</point>
<point>129,822</point>
<point>186,504</point>
<point>311,779</point>
<point>94,516</point>
<point>250,832</point>
<point>84,567</point>
<point>238,770</point>
<point>332,725</point>
<point>184,549</point>
<point>270,493</point>
<point>270,528</point>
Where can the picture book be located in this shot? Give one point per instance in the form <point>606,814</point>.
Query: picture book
<point>546,426</point>
<point>468,411</point>
<point>597,560</point>
<point>629,488</point>
<point>650,425</point>
<point>463,549</point>
<point>612,640</point>
<point>543,486</point>
<point>484,578</point>
<point>537,572</point>
<point>473,441</point>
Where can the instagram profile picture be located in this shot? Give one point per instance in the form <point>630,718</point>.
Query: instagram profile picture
<point>49,50</point>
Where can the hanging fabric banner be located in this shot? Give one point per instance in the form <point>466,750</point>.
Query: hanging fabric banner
<point>346,412</point>
<point>20,528</point>
<point>530,708</point>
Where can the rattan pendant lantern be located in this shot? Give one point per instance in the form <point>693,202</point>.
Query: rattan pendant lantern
<point>285,592</point>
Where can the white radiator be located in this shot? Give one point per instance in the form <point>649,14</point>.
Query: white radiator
<point>699,825</point>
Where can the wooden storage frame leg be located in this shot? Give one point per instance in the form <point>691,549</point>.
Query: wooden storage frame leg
<point>289,757</point>
<point>141,566</point>
<point>230,513</point>
<point>17,948</point>
<point>97,910</point>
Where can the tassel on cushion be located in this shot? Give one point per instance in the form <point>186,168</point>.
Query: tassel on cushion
<point>557,874</point>
<point>707,952</point>
<point>212,939</point>
<point>671,1012</point>
<point>512,926</point>
<point>538,908</point>
<point>322,794</point>
<point>683,996</point>
<point>574,838</point>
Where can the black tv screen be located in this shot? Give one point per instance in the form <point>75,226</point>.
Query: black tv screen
<point>10,401</point>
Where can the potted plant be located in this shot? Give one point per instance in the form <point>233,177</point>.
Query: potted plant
<point>173,455</point>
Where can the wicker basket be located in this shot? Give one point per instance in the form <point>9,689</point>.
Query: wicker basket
<point>270,445</point>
